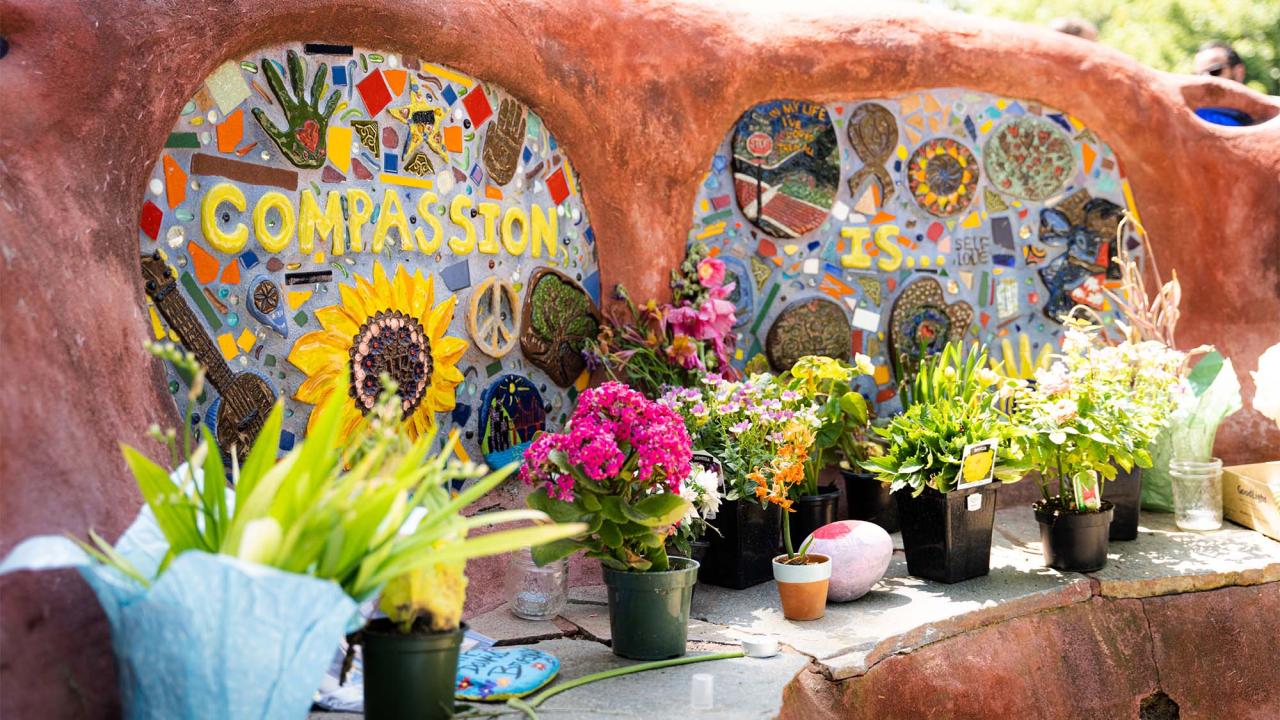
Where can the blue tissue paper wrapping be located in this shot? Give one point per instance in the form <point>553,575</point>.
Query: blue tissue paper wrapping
<point>214,637</point>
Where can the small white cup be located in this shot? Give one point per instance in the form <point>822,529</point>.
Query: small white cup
<point>703,696</point>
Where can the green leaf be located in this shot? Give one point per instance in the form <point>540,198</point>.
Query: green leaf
<point>611,507</point>
<point>175,520</point>
<point>214,492</point>
<point>263,453</point>
<point>1203,374</point>
<point>610,535</point>
<point>553,551</point>
<point>590,501</point>
<point>661,509</point>
<point>558,510</point>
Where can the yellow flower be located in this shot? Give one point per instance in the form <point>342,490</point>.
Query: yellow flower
<point>391,327</point>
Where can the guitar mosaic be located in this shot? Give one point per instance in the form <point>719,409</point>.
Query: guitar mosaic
<point>320,208</point>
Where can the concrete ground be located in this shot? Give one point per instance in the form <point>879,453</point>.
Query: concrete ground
<point>898,617</point>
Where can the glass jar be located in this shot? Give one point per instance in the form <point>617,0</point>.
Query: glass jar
<point>1197,493</point>
<point>537,593</point>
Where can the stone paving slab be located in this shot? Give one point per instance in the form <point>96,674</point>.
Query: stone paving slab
<point>900,614</point>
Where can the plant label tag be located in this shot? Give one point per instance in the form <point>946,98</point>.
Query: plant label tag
<point>1085,485</point>
<point>978,464</point>
<point>973,503</point>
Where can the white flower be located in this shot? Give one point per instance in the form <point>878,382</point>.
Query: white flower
<point>1266,396</point>
<point>988,377</point>
<point>864,364</point>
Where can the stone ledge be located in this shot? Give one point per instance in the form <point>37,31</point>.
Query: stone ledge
<point>900,615</point>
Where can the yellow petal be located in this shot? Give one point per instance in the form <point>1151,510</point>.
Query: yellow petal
<point>440,400</point>
<point>402,289</point>
<point>316,388</point>
<point>338,321</point>
<point>370,296</point>
<point>382,288</point>
<point>441,316</point>
<point>447,373</point>
<point>319,351</point>
<point>448,350</point>
<point>351,418</point>
<point>423,296</point>
<point>354,304</point>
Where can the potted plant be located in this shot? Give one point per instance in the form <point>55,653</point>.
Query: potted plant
<point>802,577</point>
<point>1083,421</point>
<point>739,423</point>
<point>826,385</point>
<point>656,347</point>
<point>619,467</point>
<point>268,571</point>
<point>866,497</point>
<point>944,452</point>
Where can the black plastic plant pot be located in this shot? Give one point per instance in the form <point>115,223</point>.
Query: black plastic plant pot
<point>649,611</point>
<point>409,676</point>
<point>869,499</point>
<point>947,536</point>
<point>1125,493</point>
<point>741,554</point>
<point>814,511</point>
<point>1072,540</point>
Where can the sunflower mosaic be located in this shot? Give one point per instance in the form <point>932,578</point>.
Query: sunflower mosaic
<point>943,177</point>
<point>384,326</point>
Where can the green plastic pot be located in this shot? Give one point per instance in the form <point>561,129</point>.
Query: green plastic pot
<point>409,677</point>
<point>649,611</point>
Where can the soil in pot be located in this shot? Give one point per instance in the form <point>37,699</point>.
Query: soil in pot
<point>649,611</point>
<point>1073,540</point>
<point>409,676</point>
<point>738,556</point>
<point>814,511</point>
<point>1125,493</point>
<point>869,499</point>
<point>802,585</point>
<point>947,536</point>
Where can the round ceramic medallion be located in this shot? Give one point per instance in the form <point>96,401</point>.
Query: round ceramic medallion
<point>1028,158</point>
<point>815,326</point>
<point>943,177</point>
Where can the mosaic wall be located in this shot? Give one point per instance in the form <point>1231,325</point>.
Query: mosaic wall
<point>319,207</point>
<point>888,227</point>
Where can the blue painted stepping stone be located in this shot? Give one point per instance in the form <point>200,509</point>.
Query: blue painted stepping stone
<point>499,674</point>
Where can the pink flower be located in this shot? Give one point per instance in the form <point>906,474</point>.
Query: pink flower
<point>711,273</point>
<point>608,419</point>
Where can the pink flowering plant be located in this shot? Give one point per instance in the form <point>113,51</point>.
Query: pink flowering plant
<point>619,466</point>
<point>654,346</point>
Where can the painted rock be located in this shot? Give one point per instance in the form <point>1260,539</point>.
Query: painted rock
<point>859,553</point>
<point>497,674</point>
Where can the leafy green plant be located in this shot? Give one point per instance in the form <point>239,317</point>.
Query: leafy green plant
<point>952,402</point>
<point>1094,408</point>
<point>330,511</point>
<point>826,384</point>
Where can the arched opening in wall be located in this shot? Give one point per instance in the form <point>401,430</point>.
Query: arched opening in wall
<point>888,226</point>
<point>322,212</point>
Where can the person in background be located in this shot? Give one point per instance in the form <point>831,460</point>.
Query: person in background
<point>1219,59</point>
<point>1079,27</point>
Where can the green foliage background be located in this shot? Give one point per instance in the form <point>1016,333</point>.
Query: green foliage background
<point>1163,33</point>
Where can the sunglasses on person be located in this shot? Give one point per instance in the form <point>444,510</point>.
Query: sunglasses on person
<point>1216,70</point>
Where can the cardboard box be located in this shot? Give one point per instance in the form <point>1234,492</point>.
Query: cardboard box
<point>1251,496</point>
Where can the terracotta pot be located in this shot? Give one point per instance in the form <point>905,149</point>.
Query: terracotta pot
<point>803,588</point>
